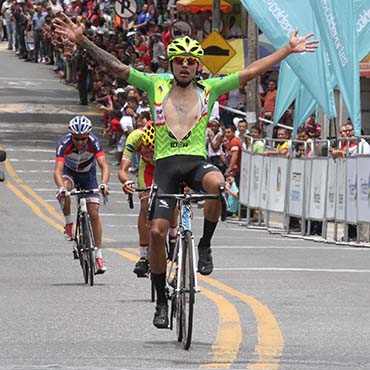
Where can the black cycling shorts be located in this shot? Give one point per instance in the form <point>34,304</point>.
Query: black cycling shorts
<point>170,172</point>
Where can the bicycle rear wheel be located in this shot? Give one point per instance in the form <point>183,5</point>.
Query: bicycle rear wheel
<point>88,250</point>
<point>187,291</point>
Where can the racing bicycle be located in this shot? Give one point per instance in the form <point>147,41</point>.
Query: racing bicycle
<point>181,280</point>
<point>84,247</point>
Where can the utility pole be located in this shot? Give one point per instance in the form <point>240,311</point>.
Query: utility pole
<point>216,15</point>
<point>252,86</point>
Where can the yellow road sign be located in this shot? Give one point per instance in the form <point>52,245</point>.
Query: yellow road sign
<point>217,52</point>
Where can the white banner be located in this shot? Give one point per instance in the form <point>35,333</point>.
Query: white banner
<point>317,193</point>
<point>351,189</point>
<point>307,180</point>
<point>265,182</point>
<point>341,190</point>
<point>277,184</point>
<point>331,190</point>
<point>256,180</point>
<point>363,189</point>
<point>296,179</point>
<point>244,178</point>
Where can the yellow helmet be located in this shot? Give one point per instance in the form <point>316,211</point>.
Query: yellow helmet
<point>185,46</point>
<point>149,135</point>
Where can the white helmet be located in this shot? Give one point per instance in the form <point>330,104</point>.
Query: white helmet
<point>79,125</point>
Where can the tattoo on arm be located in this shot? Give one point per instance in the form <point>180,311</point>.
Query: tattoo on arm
<point>101,56</point>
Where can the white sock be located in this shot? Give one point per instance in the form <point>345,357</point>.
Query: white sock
<point>144,251</point>
<point>172,232</point>
<point>98,253</point>
<point>68,219</point>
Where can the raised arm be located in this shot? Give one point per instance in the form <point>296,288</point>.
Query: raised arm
<point>74,32</point>
<point>296,45</point>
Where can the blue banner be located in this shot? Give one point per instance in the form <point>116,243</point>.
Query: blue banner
<point>362,9</point>
<point>278,20</point>
<point>336,20</point>
<point>288,86</point>
<point>305,105</point>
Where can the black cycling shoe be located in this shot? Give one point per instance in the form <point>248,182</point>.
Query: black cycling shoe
<point>160,319</point>
<point>205,261</point>
<point>142,267</point>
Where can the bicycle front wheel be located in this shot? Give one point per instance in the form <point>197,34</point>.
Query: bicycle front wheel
<point>187,290</point>
<point>88,249</point>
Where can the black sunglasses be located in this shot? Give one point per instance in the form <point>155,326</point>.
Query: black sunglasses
<point>82,139</point>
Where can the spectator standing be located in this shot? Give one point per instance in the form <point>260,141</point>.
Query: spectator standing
<point>242,132</point>
<point>7,10</point>
<point>38,21</point>
<point>232,193</point>
<point>233,154</point>
<point>258,145</point>
<point>214,144</point>
<point>269,101</point>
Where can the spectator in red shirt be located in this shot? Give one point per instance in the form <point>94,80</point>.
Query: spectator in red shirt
<point>269,100</point>
<point>233,153</point>
<point>166,35</point>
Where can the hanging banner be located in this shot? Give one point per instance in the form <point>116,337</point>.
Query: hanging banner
<point>305,104</point>
<point>362,9</point>
<point>278,19</point>
<point>288,85</point>
<point>336,20</point>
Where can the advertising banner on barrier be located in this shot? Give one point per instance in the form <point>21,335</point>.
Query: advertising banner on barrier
<point>363,189</point>
<point>296,187</point>
<point>317,193</point>
<point>340,203</point>
<point>244,178</point>
<point>307,184</point>
<point>331,189</point>
<point>351,190</point>
<point>266,165</point>
<point>277,184</point>
<point>255,185</point>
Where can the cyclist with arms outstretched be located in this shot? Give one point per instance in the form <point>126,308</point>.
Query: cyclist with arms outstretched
<point>75,166</point>
<point>181,108</point>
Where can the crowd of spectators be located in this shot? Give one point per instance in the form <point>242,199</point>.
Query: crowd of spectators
<point>141,42</point>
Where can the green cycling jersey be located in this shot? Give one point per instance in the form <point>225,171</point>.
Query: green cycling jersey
<point>157,87</point>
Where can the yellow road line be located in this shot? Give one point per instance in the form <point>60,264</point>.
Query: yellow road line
<point>33,206</point>
<point>10,170</point>
<point>229,336</point>
<point>270,344</point>
<point>270,340</point>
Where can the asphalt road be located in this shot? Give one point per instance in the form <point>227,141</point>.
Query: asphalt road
<point>271,303</point>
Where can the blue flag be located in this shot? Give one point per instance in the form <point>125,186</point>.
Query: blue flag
<point>363,27</point>
<point>288,86</point>
<point>336,19</point>
<point>278,20</point>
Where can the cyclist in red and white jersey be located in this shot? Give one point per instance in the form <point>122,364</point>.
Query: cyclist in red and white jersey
<point>75,167</point>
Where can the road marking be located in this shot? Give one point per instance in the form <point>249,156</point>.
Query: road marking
<point>270,344</point>
<point>289,269</point>
<point>229,334</point>
<point>277,247</point>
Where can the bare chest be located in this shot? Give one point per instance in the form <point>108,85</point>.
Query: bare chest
<point>182,113</point>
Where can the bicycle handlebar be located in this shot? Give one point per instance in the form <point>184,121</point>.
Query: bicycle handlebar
<point>86,192</point>
<point>130,198</point>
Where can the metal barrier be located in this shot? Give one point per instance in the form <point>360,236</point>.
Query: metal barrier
<point>315,188</point>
